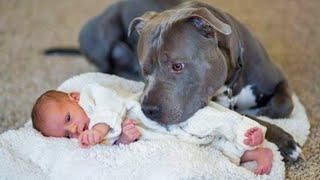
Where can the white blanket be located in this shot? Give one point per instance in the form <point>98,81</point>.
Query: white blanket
<point>26,154</point>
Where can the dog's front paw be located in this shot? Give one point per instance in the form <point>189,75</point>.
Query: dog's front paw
<point>290,150</point>
<point>288,147</point>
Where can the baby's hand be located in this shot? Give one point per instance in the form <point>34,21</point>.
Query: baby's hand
<point>129,132</point>
<point>254,136</point>
<point>90,137</point>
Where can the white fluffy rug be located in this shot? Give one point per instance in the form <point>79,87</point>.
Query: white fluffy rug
<point>26,154</point>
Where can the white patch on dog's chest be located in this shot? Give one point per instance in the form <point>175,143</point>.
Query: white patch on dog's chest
<point>244,100</point>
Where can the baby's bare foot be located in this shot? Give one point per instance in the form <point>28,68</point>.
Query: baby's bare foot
<point>254,136</point>
<point>264,160</point>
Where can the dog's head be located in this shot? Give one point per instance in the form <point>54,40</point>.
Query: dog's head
<point>183,56</point>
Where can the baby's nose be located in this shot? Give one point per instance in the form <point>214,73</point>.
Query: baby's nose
<point>72,128</point>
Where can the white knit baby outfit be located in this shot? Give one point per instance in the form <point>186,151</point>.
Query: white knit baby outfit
<point>214,124</point>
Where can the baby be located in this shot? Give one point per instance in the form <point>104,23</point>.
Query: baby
<point>98,113</point>
<point>60,114</point>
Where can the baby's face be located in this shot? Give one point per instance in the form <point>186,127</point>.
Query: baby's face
<point>65,118</point>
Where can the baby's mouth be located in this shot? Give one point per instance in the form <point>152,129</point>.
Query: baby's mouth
<point>85,127</point>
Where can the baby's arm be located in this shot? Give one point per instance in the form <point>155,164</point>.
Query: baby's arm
<point>94,136</point>
<point>106,111</point>
<point>108,108</point>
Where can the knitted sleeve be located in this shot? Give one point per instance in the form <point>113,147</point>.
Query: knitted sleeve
<point>103,105</point>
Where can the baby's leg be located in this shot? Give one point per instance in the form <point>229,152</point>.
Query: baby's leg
<point>254,136</point>
<point>263,157</point>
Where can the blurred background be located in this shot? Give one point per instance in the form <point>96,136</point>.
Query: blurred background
<point>289,30</point>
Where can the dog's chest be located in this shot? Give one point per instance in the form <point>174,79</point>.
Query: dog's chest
<point>246,99</point>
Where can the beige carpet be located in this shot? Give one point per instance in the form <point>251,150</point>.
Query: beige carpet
<point>289,29</point>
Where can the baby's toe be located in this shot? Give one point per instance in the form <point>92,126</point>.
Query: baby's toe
<point>252,130</point>
<point>247,141</point>
<point>256,140</point>
<point>247,133</point>
<point>258,171</point>
<point>268,170</point>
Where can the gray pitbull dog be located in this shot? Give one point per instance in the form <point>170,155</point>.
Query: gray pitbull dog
<point>190,53</point>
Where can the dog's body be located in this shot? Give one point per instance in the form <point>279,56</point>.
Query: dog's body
<point>104,41</point>
<point>189,55</point>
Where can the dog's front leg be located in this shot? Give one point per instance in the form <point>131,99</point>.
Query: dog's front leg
<point>288,147</point>
<point>280,105</point>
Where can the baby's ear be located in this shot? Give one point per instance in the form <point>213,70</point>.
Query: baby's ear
<point>74,96</point>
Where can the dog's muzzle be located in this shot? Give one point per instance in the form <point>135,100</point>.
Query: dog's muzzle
<point>152,112</point>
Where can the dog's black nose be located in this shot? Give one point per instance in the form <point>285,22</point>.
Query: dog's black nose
<point>152,112</point>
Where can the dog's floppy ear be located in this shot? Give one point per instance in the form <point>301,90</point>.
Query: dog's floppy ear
<point>207,23</point>
<point>139,22</point>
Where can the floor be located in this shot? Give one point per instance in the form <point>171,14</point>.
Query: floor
<point>289,29</point>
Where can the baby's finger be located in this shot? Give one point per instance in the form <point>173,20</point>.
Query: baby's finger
<point>129,133</point>
<point>80,139</point>
<point>132,132</point>
<point>83,142</point>
<point>134,129</point>
<point>85,139</point>
<point>90,138</point>
<point>126,122</point>
<point>136,135</point>
<point>96,138</point>
<point>131,129</point>
<point>132,121</point>
<point>128,127</point>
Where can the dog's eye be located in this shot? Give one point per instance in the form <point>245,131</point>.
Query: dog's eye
<point>177,67</point>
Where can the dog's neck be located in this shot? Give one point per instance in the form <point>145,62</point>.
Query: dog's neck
<point>234,65</point>
<point>234,76</point>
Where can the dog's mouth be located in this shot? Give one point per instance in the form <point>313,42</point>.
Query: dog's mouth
<point>169,120</point>
<point>172,125</point>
